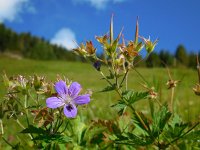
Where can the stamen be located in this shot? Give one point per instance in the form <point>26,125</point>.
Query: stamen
<point>69,107</point>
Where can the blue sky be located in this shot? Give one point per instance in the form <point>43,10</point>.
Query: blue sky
<point>174,22</point>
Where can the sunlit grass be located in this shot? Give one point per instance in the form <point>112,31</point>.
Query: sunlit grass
<point>188,103</point>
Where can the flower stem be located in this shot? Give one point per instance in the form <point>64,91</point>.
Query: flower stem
<point>126,83</point>
<point>22,126</point>
<point>141,76</point>
<point>105,78</point>
<point>26,103</point>
<point>19,123</point>
<point>198,68</point>
<point>171,99</point>
<point>125,77</point>
<point>129,105</point>
<point>8,143</point>
<point>1,124</point>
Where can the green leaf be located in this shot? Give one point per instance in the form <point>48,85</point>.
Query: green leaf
<point>2,111</point>
<point>109,88</point>
<point>32,129</point>
<point>133,97</point>
<point>176,127</point>
<point>134,140</point>
<point>193,136</point>
<point>142,122</point>
<point>111,76</point>
<point>120,106</point>
<point>177,130</point>
<point>160,119</point>
<point>54,137</point>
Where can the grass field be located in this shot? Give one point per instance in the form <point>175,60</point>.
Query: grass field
<point>188,104</point>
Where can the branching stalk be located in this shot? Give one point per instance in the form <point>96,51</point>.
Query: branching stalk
<point>134,111</point>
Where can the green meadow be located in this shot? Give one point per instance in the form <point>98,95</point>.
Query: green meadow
<point>187,103</point>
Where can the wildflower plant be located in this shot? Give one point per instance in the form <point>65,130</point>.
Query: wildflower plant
<point>164,128</point>
<point>48,117</point>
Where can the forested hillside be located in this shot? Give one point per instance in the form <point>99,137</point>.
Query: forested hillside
<point>29,46</point>
<point>26,45</point>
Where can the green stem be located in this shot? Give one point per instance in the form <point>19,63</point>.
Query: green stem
<point>134,111</point>
<point>183,134</point>
<point>65,127</point>
<point>105,78</point>
<point>26,103</point>
<point>171,100</point>
<point>140,76</point>
<point>1,124</point>
<point>37,100</point>
<point>8,143</point>
<point>124,77</point>
<point>198,68</point>
<point>22,126</point>
<point>126,83</point>
<point>19,123</point>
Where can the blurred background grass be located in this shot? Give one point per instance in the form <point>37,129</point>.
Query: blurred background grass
<point>187,103</point>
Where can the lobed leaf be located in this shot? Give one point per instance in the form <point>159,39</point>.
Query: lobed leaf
<point>109,88</point>
<point>120,106</point>
<point>160,119</point>
<point>32,129</point>
<point>133,97</point>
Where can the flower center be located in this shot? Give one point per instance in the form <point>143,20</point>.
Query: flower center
<point>69,107</point>
<point>68,99</point>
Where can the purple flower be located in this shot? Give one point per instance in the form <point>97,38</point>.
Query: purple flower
<point>68,98</point>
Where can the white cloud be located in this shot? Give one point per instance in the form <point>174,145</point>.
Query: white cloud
<point>10,9</point>
<point>98,4</point>
<point>118,1</point>
<point>65,37</point>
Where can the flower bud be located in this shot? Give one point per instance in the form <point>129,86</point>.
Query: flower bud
<point>90,48</point>
<point>149,45</point>
<point>97,65</point>
<point>172,83</point>
<point>196,89</point>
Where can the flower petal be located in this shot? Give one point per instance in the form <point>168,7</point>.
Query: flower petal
<point>61,87</point>
<point>70,110</point>
<point>54,102</point>
<point>74,89</point>
<point>82,99</point>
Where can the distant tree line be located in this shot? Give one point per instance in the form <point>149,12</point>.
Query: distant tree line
<point>29,46</point>
<point>165,58</point>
